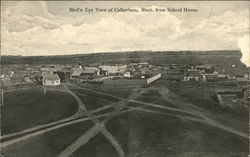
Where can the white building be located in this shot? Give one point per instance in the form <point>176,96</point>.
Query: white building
<point>97,70</point>
<point>2,76</point>
<point>51,80</point>
<point>11,73</point>
<point>127,74</point>
<point>114,69</point>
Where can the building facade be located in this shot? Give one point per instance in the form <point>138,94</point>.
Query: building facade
<point>51,80</point>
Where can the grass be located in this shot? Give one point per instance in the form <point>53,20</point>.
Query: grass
<point>139,134</point>
<point>27,108</point>
<point>151,93</point>
<point>143,134</point>
<point>93,94</point>
<point>204,98</point>
<point>117,90</point>
<point>163,102</point>
<point>147,99</point>
<point>159,136</point>
<point>49,144</point>
<point>99,146</point>
<point>207,99</point>
<point>93,102</point>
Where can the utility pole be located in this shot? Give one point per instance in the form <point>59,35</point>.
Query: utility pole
<point>1,97</point>
<point>44,90</point>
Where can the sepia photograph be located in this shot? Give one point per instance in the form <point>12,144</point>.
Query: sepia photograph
<point>124,78</point>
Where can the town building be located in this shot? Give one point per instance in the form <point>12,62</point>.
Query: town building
<point>206,68</point>
<point>88,73</point>
<point>51,80</point>
<point>48,68</point>
<point>84,73</point>
<point>103,72</point>
<point>76,73</point>
<point>127,74</point>
<point>116,69</point>
<point>11,73</point>
<point>211,77</point>
<point>2,76</point>
<point>97,70</point>
<point>247,94</point>
<point>26,79</point>
<point>63,74</point>
<point>192,76</point>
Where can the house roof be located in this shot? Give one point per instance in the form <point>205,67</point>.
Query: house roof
<point>78,72</point>
<point>193,73</point>
<point>88,71</point>
<point>51,77</point>
<point>205,66</point>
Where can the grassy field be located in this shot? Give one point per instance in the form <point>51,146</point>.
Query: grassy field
<point>49,144</point>
<point>93,94</point>
<point>99,146</point>
<point>147,135</point>
<point>153,96</point>
<point>93,102</point>
<point>142,135</point>
<point>117,90</point>
<point>27,108</point>
<point>139,134</point>
<point>204,98</point>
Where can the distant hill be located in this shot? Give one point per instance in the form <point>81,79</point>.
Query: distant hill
<point>154,57</point>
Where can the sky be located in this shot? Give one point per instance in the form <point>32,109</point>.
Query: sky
<point>36,28</point>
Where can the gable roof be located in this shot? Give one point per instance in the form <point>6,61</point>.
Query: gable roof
<point>88,71</point>
<point>51,77</point>
<point>78,72</point>
<point>193,73</point>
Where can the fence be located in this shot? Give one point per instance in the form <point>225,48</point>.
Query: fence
<point>152,79</point>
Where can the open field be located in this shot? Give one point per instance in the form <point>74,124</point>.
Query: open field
<point>49,144</point>
<point>117,90</point>
<point>148,135</point>
<point>32,107</point>
<point>161,119</point>
<point>140,134</point>
<point>92,94</point>
<point>201,98</point>
<point>92,102</point>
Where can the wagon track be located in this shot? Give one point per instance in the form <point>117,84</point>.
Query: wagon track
<point>191,112</point>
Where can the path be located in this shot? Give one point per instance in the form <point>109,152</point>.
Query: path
<point>99,127</point>
<point>207,119</point>
<point>197,113</point>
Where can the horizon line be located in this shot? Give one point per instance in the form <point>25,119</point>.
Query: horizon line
<point>120,52</point>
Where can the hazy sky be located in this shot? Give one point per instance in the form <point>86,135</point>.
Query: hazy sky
<point>49,28</point>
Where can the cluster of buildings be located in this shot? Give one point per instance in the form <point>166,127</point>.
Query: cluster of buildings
<point>209,73</point>
<point>9,74</point>
<point>54,75</point>
<point>234,98</point>
<point>18,74</point>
